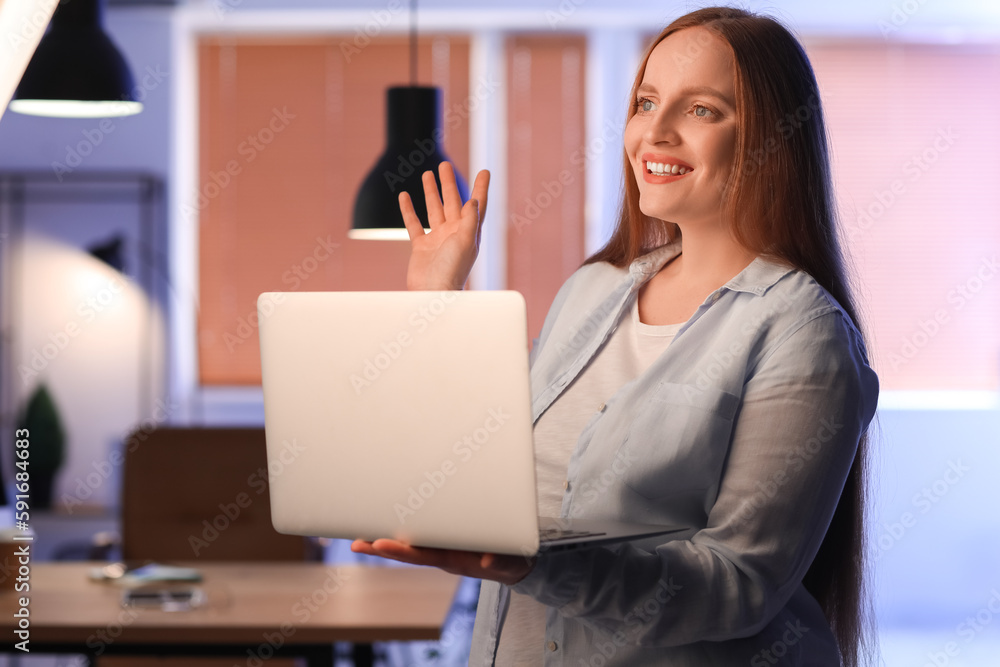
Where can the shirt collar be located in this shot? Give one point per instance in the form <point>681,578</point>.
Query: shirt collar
<point>756,278</point>
<point>646,266</point>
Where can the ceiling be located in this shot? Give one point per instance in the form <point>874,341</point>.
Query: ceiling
<point>951,20</point>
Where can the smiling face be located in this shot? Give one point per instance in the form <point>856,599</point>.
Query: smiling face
<point>681,141</point>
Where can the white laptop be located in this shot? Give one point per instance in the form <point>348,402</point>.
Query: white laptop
<point>407,415</point>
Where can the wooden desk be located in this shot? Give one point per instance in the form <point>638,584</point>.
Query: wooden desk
<point>290,608</point>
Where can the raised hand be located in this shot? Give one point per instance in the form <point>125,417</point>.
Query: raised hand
<point>442,258</point>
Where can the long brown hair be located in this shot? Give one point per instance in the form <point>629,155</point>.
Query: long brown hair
<point>778,204</point>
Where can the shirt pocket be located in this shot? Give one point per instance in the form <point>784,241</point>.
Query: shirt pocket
<point>677,441</point>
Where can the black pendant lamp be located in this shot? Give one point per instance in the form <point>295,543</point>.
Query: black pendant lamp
<point>76,70</point>
<point>414,136</point>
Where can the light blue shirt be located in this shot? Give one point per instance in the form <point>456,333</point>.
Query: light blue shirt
<point>743,431</point>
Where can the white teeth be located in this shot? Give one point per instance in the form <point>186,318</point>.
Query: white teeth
<point>662,169</point>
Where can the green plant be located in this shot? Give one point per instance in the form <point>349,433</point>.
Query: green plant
<point>46,435</point>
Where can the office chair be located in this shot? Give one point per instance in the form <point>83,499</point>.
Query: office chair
<point>201,494</point>
<point>191,494</point>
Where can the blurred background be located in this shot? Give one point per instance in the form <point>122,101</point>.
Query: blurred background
<point>133,249</point>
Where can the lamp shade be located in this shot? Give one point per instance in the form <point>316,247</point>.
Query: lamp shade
<point>111,252</point>
<point>76,70</point>
<point>413,145</point>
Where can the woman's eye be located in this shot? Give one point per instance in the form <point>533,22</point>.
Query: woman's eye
<point>645,104</point>
<point>703,112</point>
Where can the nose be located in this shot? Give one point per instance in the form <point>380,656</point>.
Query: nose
<point>661,129</point>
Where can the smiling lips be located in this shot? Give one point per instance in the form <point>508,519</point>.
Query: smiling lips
<point>663,168</point>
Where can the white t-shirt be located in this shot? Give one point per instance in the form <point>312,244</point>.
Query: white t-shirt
<point>628,352</point>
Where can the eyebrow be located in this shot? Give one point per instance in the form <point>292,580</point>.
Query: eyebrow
<point>692,90</point>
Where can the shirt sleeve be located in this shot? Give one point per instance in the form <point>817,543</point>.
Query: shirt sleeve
<point>803,410</point>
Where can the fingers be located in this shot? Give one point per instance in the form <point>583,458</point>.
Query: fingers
<point>447,205</point>
<point>361,547</point>
<point>506,569</point>
<point>391,549</point>
<point>449,192</point>
<point>456,562</point>
<point>479,196</point>
<point>410,219</point>
<point>398,551</point>
<point>479,192</point>
<point>446,559</point>
<point>472,218</point>
<point>435,210</point>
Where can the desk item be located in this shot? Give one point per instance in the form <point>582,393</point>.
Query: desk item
<point>407,415</point>
<point>163,597</point>
<point>146,574</point>
<point>281,609</point>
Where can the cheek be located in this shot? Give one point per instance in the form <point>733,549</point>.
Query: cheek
<point>724,152</point>
<point>632,138</point>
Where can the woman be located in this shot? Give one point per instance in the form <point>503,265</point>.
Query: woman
<point>709,356</point>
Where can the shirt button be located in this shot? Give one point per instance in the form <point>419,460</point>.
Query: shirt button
<point>553,646</point>
<point>601,407</point>
<point>566,485</point>
<point>716,297</point>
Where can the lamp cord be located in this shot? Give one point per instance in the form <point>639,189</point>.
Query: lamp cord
<point>413,42</point>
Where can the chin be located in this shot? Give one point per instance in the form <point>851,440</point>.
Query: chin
<point>659,211</point>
